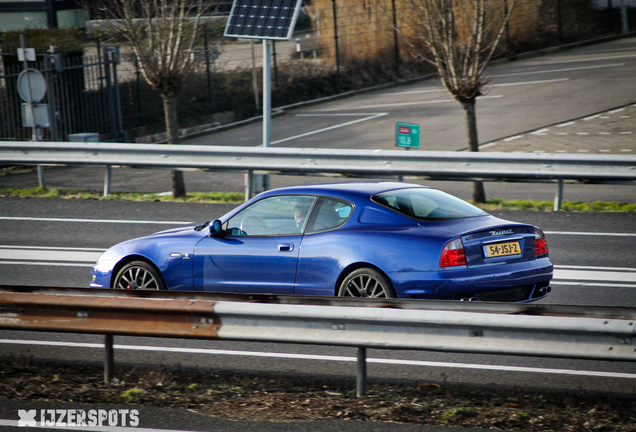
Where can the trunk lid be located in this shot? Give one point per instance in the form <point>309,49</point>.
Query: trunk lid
<point>499,244</point>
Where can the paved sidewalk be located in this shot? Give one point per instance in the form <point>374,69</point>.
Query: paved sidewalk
<point>611,132</point>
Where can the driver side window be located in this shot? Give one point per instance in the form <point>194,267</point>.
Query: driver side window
<point>280,215</point>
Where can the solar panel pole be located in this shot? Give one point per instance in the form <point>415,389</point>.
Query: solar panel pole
<point>267,91</point>
<point>267,103</point>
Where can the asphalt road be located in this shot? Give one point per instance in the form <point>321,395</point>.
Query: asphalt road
<point>54,242</point>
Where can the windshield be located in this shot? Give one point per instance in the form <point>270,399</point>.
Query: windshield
<point>424,203</point>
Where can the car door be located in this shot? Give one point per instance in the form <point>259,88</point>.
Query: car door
<point>258,252</point>
<point>326,249</point>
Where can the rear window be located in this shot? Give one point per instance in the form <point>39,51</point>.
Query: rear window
<point>422,203</point>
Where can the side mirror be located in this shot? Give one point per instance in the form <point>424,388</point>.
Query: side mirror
<point>216,228</point>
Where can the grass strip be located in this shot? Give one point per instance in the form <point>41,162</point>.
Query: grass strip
<point>201,197</point>
<point>238,198</point>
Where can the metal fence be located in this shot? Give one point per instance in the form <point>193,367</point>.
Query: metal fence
<point>82,97</point>
<point>349,30</point>
<point>572,332</point>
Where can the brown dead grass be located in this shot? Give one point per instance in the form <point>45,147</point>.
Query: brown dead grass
<point>276,398</point>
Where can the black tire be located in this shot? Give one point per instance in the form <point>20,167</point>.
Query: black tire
<point>366,282</point>
<point>139,275</point>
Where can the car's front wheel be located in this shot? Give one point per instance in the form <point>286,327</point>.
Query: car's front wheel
<point>366,282</point>
<point>139,275</point>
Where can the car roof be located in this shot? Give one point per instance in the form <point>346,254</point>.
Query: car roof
<point>344,189</point>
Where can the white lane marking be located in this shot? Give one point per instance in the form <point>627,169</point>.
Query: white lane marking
<point>52,248</point>
<point>50,255</point>
<point>494,85</point>
<point>406,103</point>
<point>513,138</point>
<point>590,276</point>
<point>48,263</point>
<point>600,234</point>
<point>558,70</point>
<point>565,124</point>
<point>572,61</point>
<point>615,269</point>
<point>14,423</point>
<point>42,219</point>
<point>540,131</point>
<point>414,92</point>
<point>531,82</point>
<point>370,117</point>
<point>326,358</point>
<point>392,105</point>
<point>592,284</point>
<point>616,110</point>
<point>591,117</point>
<point>336,114</point>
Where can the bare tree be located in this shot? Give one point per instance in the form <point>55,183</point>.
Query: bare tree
<point>162,34</point>
<point>461,37</point>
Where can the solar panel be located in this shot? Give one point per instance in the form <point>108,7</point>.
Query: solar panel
<point>263,19</point>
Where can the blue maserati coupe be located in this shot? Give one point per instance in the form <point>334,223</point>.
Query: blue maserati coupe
<point>363,239</point>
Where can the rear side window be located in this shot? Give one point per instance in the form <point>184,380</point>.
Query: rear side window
<point>329,213</point>
<point>423,203</point>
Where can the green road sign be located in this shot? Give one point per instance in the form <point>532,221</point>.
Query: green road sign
<point>408,135</point>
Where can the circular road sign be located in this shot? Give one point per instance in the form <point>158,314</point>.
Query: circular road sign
<point>31,85</point>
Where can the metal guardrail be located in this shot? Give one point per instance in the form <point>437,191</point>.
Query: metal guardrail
<point>488,166</point>
<point>573,332</point>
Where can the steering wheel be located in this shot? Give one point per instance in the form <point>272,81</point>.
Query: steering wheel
<point>253,225</point>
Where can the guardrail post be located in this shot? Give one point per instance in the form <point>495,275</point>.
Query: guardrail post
<point>361,384</point>
<point>41,177</point>
<point>249,184</point>
<point>109,358</point>
<point>558,199</point>
<point>107,180</point>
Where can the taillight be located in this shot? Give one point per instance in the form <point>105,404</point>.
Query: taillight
<point>453,254</point>
<point>540,244</point>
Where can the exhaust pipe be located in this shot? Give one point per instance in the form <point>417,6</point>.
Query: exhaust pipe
<point>545,290</point>
<point>469,299</point>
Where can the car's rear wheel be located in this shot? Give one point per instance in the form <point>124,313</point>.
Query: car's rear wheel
<point>366,282</point>
<point>139,275</point>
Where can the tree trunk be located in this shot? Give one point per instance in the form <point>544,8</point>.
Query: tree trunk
<point>479,194</point>
<point>172,128</point>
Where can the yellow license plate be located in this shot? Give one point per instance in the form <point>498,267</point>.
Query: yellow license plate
<point>502,249</point>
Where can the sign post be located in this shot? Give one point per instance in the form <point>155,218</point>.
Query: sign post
<point>32,88</point>
<point>407,135</point>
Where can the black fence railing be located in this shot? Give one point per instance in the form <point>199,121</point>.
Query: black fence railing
<point>82,97</point>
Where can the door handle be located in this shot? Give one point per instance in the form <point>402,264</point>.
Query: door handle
<point>286,247</point>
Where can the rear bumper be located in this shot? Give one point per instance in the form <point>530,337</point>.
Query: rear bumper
<point>516,282</point>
